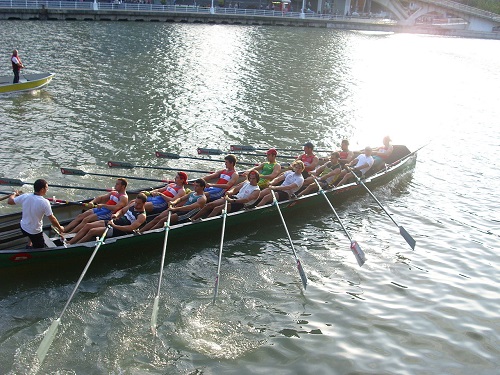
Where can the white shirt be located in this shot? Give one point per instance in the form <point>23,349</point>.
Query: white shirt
<point>293,178</point>
<point>245,191</point>
<point>34,208</point>
<point>363,159</point>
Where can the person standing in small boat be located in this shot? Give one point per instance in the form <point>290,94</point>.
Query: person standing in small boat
<point>309,160</point>
<point>268,170</point>
<point>182,208</point>
<point>105,206</point>
<point>159,199</point>
<point>122,222</point>
<point>35,207</point>
<point>285,185</point>
<point>17,65</point>
<point>226,179</point>
<point>363,164</point>
<point>242,195</point>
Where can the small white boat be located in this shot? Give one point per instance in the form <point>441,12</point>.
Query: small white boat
<point>27,82</point>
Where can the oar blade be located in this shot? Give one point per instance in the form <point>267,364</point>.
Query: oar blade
<point>154,315</point>
<point>302,274</point>
<point>47,341</point>
<point>11,182</point>
<point>358,253</point>
<point>242,148</point>
<point>407,237</point>
<point>216,289</point>
<point>119,164</point>
<point>166,155</point>
<point>209,151</point>
<point>76,172</point>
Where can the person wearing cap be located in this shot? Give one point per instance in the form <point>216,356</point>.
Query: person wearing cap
<point>284,185</point>
<point>362,162</point>
<point>309,159</point>
<point>382,153</point>
<point>268,170</point>
<point>158,199</point>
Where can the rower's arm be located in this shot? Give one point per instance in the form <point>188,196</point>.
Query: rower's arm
<point>276,172</point>
<point>55,223</point>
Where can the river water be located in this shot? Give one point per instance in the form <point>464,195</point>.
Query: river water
<point>124,90</point>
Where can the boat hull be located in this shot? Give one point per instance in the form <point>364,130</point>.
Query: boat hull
<point>28,82</point>
<point>19,261</point>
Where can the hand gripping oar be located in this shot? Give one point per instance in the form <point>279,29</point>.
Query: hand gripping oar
<point>409,239</point>
<point>154,315</point>
<point>356,250</point>
<point>124,164</point>
<point>251,148</point>
<point>299,265</point>
<point>5,197</point>
<point>51,333</point>
<point>169,155</point>
<point>78,172</point>
<point>16,182</point>
<point>224,215</point>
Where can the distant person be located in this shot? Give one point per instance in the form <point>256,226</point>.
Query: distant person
<point>309,159</point>
<point>35,207</point>
<point>122,222</point>
<point>17,65</point>
<point>268,170</point>
<point>383,153</point>
<point>107,204</point>
<point>363,163</point>
<point>226,178</point>
<point>284,185</point>
<point>345,154</point>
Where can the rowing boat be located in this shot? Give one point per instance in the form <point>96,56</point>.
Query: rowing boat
<point>16,260</point>
<point>27,82</point>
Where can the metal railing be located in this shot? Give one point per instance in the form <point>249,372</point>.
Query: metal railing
<point>54,4</point>
<point>453,5</point>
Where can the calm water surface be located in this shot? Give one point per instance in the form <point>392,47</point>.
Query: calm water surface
<point>125,90</point>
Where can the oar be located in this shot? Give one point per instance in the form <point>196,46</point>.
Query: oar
<point>5,197</point>
<point>409,239</point>
<point>78,172</point>
<point>124,164</point>
<point>169,155</point>
<point>211,151</point>
<point>224,215</point>
<point>355,248</point>
<point>407,156</point>
<point>251,148</point>
<point>299,265</point>
<point>51,333</point>
<point>154,315</point>
<point>16,182</point>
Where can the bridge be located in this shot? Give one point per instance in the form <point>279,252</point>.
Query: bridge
<point>442,13</point>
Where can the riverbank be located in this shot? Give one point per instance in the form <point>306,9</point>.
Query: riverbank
<point>280,19</point>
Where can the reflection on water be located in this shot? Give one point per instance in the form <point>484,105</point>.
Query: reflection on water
<point>123,91</point>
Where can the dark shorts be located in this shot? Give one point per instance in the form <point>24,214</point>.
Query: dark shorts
<point>236,207</point>
<point>282,195</point>
<point>36,239</point>
<point>305,174</point>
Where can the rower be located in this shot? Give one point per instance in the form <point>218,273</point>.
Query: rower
<point>226,178</point>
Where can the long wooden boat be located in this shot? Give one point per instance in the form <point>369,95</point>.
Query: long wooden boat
<point>16,260</point>
<point>27,82</point>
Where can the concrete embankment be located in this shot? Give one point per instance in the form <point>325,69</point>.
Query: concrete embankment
<point>230,19</point>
